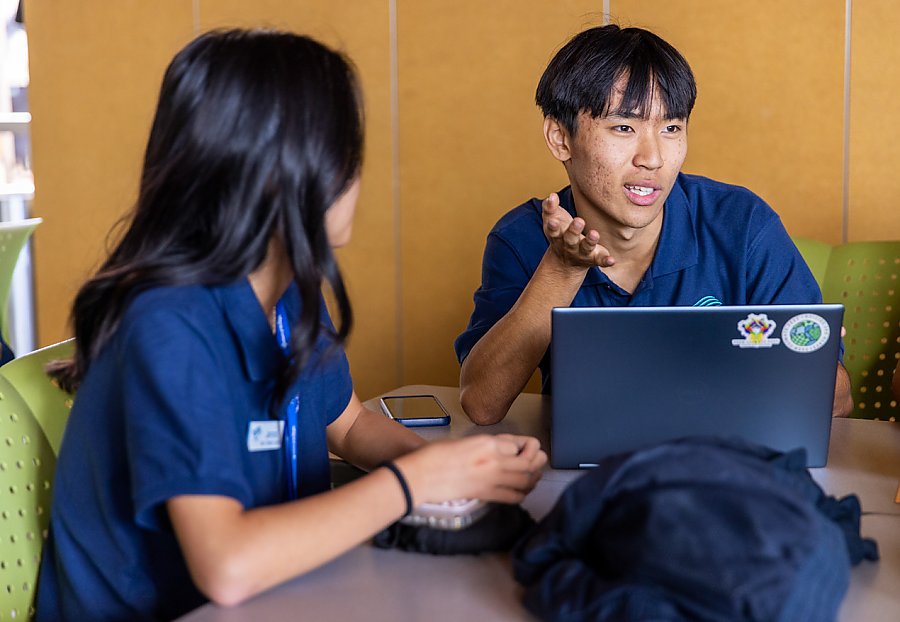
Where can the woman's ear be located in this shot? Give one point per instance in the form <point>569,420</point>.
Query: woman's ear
<point>557,139</point>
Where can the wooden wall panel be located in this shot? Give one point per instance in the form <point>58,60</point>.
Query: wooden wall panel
<point>769,116</point>
<point>471,148</point>
<point>874,121</point>
<point>96,67</point>
<point>769,113</point>
<point>361,30</point>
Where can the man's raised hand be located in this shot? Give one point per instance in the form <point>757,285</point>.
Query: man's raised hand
<point>568,239</point>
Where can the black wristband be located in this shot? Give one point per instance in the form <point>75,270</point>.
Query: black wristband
<point>393,469</point>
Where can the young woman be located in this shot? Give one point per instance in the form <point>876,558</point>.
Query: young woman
<point>211,382</point>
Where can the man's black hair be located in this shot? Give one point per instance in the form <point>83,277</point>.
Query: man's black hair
<point>582,76</point>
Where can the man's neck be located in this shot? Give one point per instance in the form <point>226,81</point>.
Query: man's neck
<point>633,249</point>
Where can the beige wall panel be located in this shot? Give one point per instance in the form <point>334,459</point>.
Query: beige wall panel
<point>874,121</point>
<point>769,115</point>
<point>471,149</point>
<point>96,67</point>
<point>360,29</point>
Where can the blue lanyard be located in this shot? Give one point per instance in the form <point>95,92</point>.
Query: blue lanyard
<point>283,333</point>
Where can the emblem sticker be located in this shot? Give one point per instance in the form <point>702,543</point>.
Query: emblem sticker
<point>806,332</point>
<point>756,330</point>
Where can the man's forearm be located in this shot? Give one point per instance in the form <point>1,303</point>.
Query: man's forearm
<point>843,398</point>
<point>500,364</point>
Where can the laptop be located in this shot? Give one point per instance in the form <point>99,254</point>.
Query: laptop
<point>628,377</point>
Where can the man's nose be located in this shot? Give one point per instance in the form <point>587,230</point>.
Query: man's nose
<point>648,154</point>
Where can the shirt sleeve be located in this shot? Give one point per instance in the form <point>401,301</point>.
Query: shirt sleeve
<point>182,436</point>
<point>331,370</point>
<point>777,272</point>
<point>503,278</point>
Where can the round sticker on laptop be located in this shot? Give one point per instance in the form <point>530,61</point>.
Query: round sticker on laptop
<point>806,332</point>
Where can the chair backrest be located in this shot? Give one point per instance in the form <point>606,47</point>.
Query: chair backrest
<point>49,404</point>
<point>865,278</point>
<point>27,464</point>
<point>13,236</point>
<point>816,255</point>
<point>33,415</point>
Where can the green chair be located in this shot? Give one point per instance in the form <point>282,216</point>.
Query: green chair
<point>816,255</point>
<point>865,278</point>
<point>13,236</point>
<point>47,402</point>
<point>27,465</point>
<point>33,413</point>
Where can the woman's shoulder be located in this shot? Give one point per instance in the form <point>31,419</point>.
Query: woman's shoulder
<point>174,310</point>
<point>176,301</point>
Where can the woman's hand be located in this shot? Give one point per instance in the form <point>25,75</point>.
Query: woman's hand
<point>501,468</point>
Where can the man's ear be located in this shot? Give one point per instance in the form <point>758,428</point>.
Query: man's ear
<point>558,139</point>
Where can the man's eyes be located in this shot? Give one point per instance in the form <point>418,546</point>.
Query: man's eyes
<point>625,129</point>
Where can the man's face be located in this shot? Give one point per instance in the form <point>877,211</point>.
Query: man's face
<point>622,167</point>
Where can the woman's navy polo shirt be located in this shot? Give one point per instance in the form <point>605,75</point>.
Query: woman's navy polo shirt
<point>163,411</point>
<point>719,244</point>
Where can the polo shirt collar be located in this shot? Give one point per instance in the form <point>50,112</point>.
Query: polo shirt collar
<point>677,249</point>
<point>260,355</point>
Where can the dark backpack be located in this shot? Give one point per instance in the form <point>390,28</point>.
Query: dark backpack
<point>698,529</point>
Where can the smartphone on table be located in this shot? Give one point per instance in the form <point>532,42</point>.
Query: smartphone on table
<point>415,410</point>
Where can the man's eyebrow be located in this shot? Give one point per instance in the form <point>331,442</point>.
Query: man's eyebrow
<point>625,114</point>
<point>634,114</point>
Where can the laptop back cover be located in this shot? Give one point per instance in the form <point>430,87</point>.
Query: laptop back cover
<point>627,377</point>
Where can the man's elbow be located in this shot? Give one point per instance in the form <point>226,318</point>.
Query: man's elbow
<point>479,411</point>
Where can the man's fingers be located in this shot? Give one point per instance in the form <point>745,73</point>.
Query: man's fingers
<point>550,203</point>
<point>602,257</point>
<point>572,237</point>
<point>588,243</point>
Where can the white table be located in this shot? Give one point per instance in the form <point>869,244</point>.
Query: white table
<point>371,584</point>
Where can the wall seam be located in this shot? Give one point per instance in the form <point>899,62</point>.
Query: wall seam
<point>395,187</point>
<point>845,191</point>
<point>195,14</point>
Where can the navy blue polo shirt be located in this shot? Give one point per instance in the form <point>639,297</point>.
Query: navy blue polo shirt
<point>719,244</point>
<point>164,410</point>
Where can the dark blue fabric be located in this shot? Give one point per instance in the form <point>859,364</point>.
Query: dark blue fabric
<point>717,241</point>
<point>700,530</point>
<point>6,353</point>
<point>164,411</point>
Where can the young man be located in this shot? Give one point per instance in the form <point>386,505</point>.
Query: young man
<point>630,230</point>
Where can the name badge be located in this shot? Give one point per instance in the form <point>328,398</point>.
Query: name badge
<point>265,435</point>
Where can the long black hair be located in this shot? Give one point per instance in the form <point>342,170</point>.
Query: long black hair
<point>256,134</point>
<point>582,76</point>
